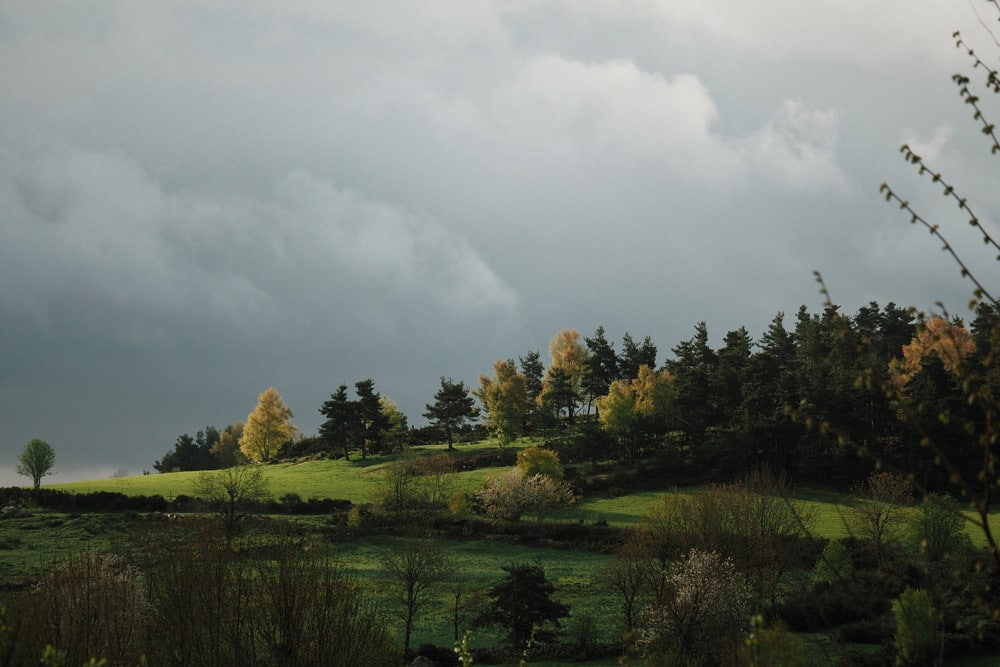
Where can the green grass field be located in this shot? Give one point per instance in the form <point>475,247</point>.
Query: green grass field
<point>355,480</point>
<point>358,481</point>
<point>29,545</point>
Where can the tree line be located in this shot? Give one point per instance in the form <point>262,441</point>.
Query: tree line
<point>714,411</point>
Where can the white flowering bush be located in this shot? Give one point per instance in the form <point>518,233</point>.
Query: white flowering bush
<point>701,613</point>
<point>507,496</point>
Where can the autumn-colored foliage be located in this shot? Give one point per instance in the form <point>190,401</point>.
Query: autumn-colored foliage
<point>950,341</point>
<point>505,399</point>
<point>267,427</point>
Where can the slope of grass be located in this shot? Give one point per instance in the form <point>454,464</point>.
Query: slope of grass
<point>359,481</point>
<point>355,480</point>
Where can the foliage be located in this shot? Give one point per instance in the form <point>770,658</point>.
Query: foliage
<point>637,410</point>
<point>563,383</point>
<point>537,460</point>
<point>36,461</point>
<point>373,422</point>
<point>197,453</point>
<point>507,496</point>
<point>701,614</point>
<point>939,529</point>
<point>394,425</point>
<point>522,604</point>
<point>948,341</point>
<point>504,398</point>
<point>453,406</point>
<point>917,636</point>
<point>601,367</point>
<point>341,428</point>
<point>752,522</point>
<point>772,646</point>
<point>226,449</point>
<point>233,493</point>
<point>834,563</point>
<point>267,428</point>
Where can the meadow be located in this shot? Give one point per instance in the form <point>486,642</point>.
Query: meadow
<point>359,481</point>
<point>29,545</point>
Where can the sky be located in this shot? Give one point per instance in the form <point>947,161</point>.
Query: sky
<point>200,200</point>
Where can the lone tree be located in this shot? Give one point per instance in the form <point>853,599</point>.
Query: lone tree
<point>36,461</point>
<point>267,427</point>
<point>522,603</point>
<point>233,493</point>
<point>411,573</point>
<point>453,406</point>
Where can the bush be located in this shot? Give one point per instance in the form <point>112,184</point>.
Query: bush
<point>834,563</point>
<point>92,605</point>
<point>700,616</point>
<point>939,530</point>
<point>860,597</point>
<point>506,496</point>
<point>917,637</point>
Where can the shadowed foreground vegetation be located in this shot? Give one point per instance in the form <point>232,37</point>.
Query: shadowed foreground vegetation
<point>601,555</point>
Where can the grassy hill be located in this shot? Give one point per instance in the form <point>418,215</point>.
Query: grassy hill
<point>355,480</point>
<point>359,481</point>
<point>32,543</point>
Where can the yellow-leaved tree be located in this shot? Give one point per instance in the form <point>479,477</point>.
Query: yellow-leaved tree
<point>505,400</point>
<point>950,341</point>
<point>267,428</point>
<point>633,410</point>
<point>562,387</point>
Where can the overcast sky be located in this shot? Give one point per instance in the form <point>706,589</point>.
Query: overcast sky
<point>200,200</point>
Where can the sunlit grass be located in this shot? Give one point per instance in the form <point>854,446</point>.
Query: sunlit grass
<point>356,480</point>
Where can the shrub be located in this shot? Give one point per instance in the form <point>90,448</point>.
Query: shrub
<point>916,628</point>
<point>93,605</point>
<point>701,615</point>
<point>505,497</point>
<point>539,461</point>
<point>834,563</point>
<point>862,596</point>
<point>772,646</point>
<point>939,530</point>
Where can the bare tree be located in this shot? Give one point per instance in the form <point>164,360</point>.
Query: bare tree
<point>878,514</point>
<point>232,493</point>
<point>412,573</point>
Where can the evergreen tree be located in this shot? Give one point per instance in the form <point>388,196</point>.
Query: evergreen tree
<point>372,421</point>
<point>522,603</point>
<point>769,388</point>
<point>602,366</point>
<point>341,430</point>
<point>532,369</point>
<point>453,406</point>
<point>692,370</point>
<point>634,355</point>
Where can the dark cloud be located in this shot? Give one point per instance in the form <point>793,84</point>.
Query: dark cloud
<point>200,202</point>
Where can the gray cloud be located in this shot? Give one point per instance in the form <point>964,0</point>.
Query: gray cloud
<point>201,201</point>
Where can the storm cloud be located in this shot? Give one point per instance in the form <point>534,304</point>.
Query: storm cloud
<point>202,200</point>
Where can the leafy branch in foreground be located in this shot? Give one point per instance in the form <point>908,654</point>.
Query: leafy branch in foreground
<point>973,421</point>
